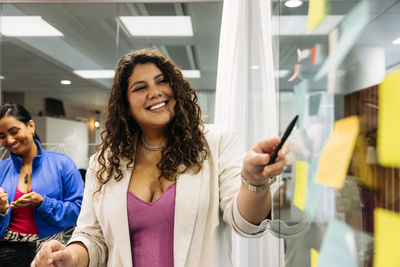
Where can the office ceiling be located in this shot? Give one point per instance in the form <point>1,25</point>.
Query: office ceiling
<point>94,39</point>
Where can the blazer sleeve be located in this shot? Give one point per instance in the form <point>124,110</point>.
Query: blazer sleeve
<point>230,160</point>
<point>88,230</point>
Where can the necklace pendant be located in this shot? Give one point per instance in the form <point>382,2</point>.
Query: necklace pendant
<point>26,178</point>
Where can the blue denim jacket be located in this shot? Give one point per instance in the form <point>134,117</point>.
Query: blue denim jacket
<point>57,179</point>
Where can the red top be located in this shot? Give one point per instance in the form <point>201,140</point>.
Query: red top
<point>22,220</point>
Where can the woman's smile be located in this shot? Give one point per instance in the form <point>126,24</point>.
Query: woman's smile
<point>158,107</point>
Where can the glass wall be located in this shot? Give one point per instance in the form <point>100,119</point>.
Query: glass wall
<point>338,201</point>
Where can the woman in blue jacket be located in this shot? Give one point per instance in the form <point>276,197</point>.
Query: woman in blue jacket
<point>49,182</point>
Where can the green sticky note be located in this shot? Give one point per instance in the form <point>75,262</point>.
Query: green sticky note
<point>338,246</point>
<point>300,91</point>
<point>313,189</point>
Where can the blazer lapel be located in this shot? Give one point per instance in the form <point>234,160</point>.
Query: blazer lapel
<point>115,199</point>
<point>186,206</point>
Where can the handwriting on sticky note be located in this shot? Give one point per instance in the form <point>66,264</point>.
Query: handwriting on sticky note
<point>300,190</point>
<point>337,152</point>
<point>388,117</point>
<point>387,236</point>
<point>316,13</point>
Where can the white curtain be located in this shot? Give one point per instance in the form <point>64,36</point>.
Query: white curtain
<point>246,100</point>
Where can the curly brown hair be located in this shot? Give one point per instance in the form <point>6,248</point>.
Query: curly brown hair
<point>185,148</point>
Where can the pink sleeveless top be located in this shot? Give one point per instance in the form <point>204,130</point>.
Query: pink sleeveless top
<point>151,229</point>
<point>22,220</point>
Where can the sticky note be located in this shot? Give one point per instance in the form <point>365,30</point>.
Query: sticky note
<point>337,152</point>
<point>295,73</point>
<point>298,55</point>
<point>350,29</point>
<point>300,190</point>
<point>313,189</point>
<point>332,76</point>
<point>314,257</point>
<point>388,143</point>
<point>387,236</point>
<point>316,13</point>
<point>313,55</point>
<point>335,249</point>
<point>300,91</point>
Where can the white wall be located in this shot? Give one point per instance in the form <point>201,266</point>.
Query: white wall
<point>65,136</point>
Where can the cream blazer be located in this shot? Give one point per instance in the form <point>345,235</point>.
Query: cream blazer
<point>205,211</point>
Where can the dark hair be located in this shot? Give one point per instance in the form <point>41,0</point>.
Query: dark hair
<point>18,112</point>
<point>185,147</point>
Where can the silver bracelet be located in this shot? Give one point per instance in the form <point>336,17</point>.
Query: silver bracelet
<point>257,188</point>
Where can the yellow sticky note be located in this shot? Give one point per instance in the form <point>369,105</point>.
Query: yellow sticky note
<point>388,144</point>
<point>337,152</point>
<point>387,236</point>
<point>300,190</point>
<point>314,258</point>
<point>316,13</point>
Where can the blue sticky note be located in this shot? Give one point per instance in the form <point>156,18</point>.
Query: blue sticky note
<point>338,246</point>
<point>313,190</point>
<point>300,91</point>
<point>350,29</point>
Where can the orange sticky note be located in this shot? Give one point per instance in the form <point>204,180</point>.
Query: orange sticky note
<point>337,152</point>
<point>300,190</point>
<point>387,236</point>
<point>314,258</point>
<point>388,144</point>
<point>316,13</point>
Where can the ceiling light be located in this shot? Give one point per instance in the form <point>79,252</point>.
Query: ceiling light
<point>1,77</point>
<point>65,82</point>
<point>27,26</point>
<point>297,25</point>
<point>293,3</point>
<point>397,41</point>
<point>95,74</point>
<point>281,73</point>
<point>158,25</point>
<point>193,74</point>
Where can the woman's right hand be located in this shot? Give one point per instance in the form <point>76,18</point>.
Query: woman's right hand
<point>52,254</point>
<point>4,206</point>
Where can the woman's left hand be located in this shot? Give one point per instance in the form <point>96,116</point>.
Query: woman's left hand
<point>35,200</point>
<point>255,168</point>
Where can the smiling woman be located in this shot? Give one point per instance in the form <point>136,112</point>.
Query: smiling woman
<point>40,191</point>
<point>164,184</point>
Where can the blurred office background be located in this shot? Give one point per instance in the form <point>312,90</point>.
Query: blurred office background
<point>62,73</point>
